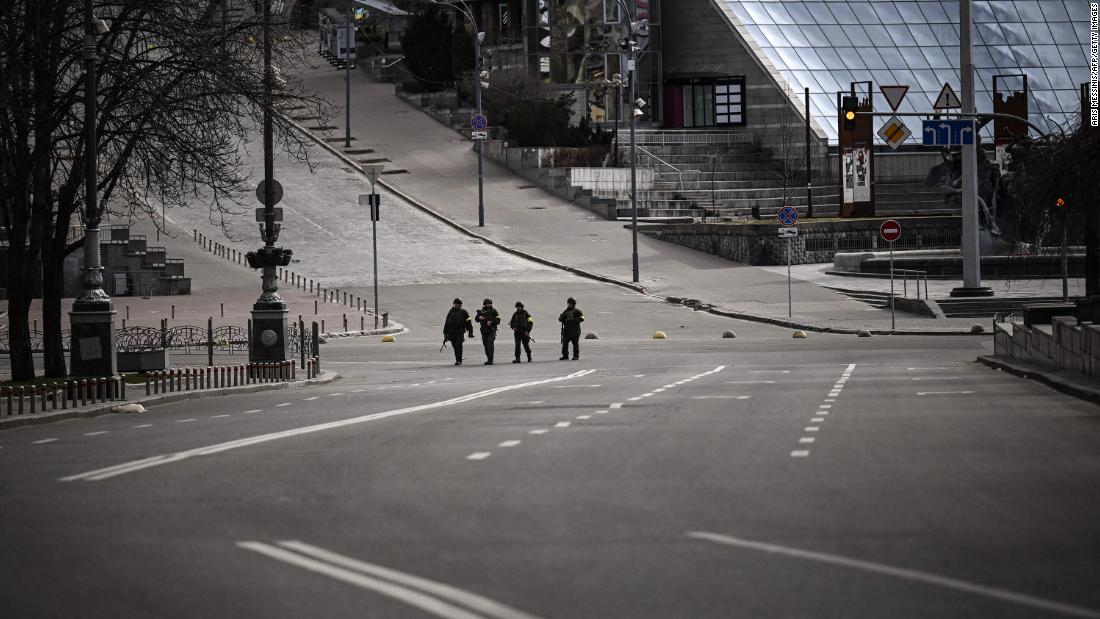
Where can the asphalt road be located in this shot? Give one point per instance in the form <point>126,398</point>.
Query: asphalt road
<point>761,476</point>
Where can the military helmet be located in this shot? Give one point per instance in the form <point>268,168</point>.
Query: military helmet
<point>487,302</point>
<point>457,300</point>
<point>519,304</point>
<point>571,300</point>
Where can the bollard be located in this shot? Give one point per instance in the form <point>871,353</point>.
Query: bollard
<point>122,388</point>
<point>8,399</point>
<point>33,392</point>
<point>345,323</point>
<point>82,388</point>
<point>362,323</point>
<point>45,398</point>
<point>148,389</point>
<point>222,305</point>
<point>21,389</point>
<point>315,307</point>
<point>345,298</point>
<point>53,394</point>
<point>311,285</point>
<point>127,312</point>
<point>322,325</point>
<point>293,369</point>
<point>173,311</point>
<point>187,378</point>
<point>385,319</point>
<point>156,383</point>
<point>223,373</point>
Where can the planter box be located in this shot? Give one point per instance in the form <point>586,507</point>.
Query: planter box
<point>143,360</point>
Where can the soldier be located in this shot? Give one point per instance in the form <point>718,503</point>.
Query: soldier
<point>571,320</point>
<point>458,320</point>
<point>521,324</point>
<point>488,318</point>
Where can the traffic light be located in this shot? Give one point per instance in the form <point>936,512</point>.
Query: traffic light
<point>848,112</point>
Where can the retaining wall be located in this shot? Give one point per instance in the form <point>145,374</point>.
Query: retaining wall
<point>1064,344</point>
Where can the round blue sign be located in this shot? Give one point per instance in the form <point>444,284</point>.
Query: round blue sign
<point>788,215</point>
<point>479,122</point>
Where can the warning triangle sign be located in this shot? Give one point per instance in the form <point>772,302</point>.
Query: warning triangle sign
<point>894,95</point>
<point>947,99</point>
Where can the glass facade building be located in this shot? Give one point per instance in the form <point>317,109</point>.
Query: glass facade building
<point>827,44</point>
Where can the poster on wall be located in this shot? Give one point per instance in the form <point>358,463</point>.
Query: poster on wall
<point>849,180</point>
<point>862,188</point>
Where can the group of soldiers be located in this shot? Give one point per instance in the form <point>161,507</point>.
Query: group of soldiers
<point>459,324</point>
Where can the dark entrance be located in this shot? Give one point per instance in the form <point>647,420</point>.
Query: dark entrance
<point>705,102</point>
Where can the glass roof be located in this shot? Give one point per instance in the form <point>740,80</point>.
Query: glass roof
<point>827,44</point>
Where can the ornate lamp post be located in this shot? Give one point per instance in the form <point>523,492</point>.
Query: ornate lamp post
<point>92,349</point>
<point>269,312</point>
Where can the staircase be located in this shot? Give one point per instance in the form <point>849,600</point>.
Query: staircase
<point>988,306</point>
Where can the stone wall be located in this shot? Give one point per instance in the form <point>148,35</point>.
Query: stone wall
<point>1064,344</point>
<point>759,244</point>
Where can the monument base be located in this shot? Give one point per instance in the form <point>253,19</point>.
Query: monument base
<point>92,347</point>
<point>270,333</point>
<point>980,291</point>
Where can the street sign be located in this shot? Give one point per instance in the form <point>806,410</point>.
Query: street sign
<point>479,135</point>
<point>788,215</point>
<point>372,170</point>
<point>894,95</point>
<point>260,214</point>
<point>894,132</point>
<point>890,230</point>
<point>947,99</point>
<point>374,201</point>
<point>950,132</point>
<point>276,192</point>
<point>788,232</point>
<point>479,121</point>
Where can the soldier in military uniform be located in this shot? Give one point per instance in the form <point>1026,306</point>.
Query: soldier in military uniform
<point>571,320</point>
<point>521,324</point>
<point>457,322</point>
<point>488,317</point>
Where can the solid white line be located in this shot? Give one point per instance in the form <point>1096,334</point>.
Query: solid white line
<point>800,453</point>
<point>538,431</point>
<point>218,416</point>
<point>659,390</point>
<point>616,405</point>
<point>480,455</point>
<point>130,467</point>
<point>574,386</point>
<point>412,598</point>
<point>899,572</point>
<point>44,441</point>
<point>562,424</point>
<point>806,439</point>
<point>144,425</point>
<point>446,592</point>
<point>944,392</point>
<point>509,444</point>
<point>96,433</point>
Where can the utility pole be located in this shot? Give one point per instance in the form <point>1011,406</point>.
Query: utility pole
<point>479,143</point>
<point>809,174</point>
<point>92,348</point>
<point>971,252</point>
<point>349,49</point>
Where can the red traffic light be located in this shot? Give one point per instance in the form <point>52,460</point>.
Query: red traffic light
<point>1059,202</point>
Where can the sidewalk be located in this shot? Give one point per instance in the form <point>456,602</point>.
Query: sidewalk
<point>442,174</point>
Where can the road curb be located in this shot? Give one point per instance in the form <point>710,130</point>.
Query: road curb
<point>164,398</point>
<point>1049,379</point>
<point>595,276</point>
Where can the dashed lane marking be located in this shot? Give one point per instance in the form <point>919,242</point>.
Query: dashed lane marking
<point>1003,595</point>
<point>811,429</point>
<point>479,455</point>
<point>824,405</point>
<point>186,420</point>
<point>584,416</point>
<point>96,433</point>
<point>333,395</point>
<point>311,399</point>
<point>635,398</point>
<point>509,443</point>
<point>807,439</point>
<point>800,453</point>
<point>218,416</point>
<point>540,431</point>
<point>533,402</point>
<point>817,420</point>
<point>562,424</point>
<point>616,405</point>
<point>353,391</point>
<point>44,441</point>
<point>255,410</point>
<point>158,460</point>
<point>144,425</point>
<point>750,382</point>
<point>720,397</point>
<point>830,400</point>
<point>282,404</point>
<point>944,392</point>
<point>937,378</point>
<point>601,412</point>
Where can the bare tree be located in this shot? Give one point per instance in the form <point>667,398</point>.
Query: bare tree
<point>179,91</point>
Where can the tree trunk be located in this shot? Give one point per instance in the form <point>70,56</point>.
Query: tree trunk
<point>53,345</point>
<point>20,291</point>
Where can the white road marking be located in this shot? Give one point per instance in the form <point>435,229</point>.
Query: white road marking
<point>509,444</point>
<point>562,424</point>
<point>218,416</point>
<point>834,394</point>
<point>616,405</point>
<point>807,439</point>
<point>333,395</point>
<point>538,431</point>
<point>646,395</point>
<point>822,413</point>
<point>634,398</point>
<point>256,410</point>
<point>830,400</point>
<point>480,455</point>
<point>533,402</point>
<point>930,369</point>
<point>720,397</point>
<point>44,441</point>
<point>430,596</point>
<point>817,420</point>
<point>137,465</point>
<point>750,382</point>
<point>96,433</point>
<point>937,378</point>
<point>770,372</point>
<point>851,366</point>
<point>584,416</point>
<point>824,405</point>
<point>574,386</point>
<point>944,392</point>
<point>601,412</point>
<point>312,399</point>
<point>800,453</point>
<point>903,573</point>
<point>659,390</point>
<point>639,376</point>
<point>810,429</point>
<point>186,420</point>
<point>282,404</point>
<point>144,425</point>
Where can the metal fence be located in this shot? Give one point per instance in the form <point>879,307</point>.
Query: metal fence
<point>228,339</point>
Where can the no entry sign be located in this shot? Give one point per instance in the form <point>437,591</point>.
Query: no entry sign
<point>890,230</point>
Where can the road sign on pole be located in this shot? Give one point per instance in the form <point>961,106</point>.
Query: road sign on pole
<point>894,132</point>
<point>479,135</point>
<point>788,215</point>
<point>894,95</point>
<point>276,192</point>
<point>947,99</point>
<point>479,122</point>
<point>788,232</point>
<point>890,230</point>
<point>948,132</point>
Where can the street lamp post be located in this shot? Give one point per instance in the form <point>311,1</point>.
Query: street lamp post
<point>92,348</point>
<point>349,49</point>
<point>464,10</point>
<point>632,68</point>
